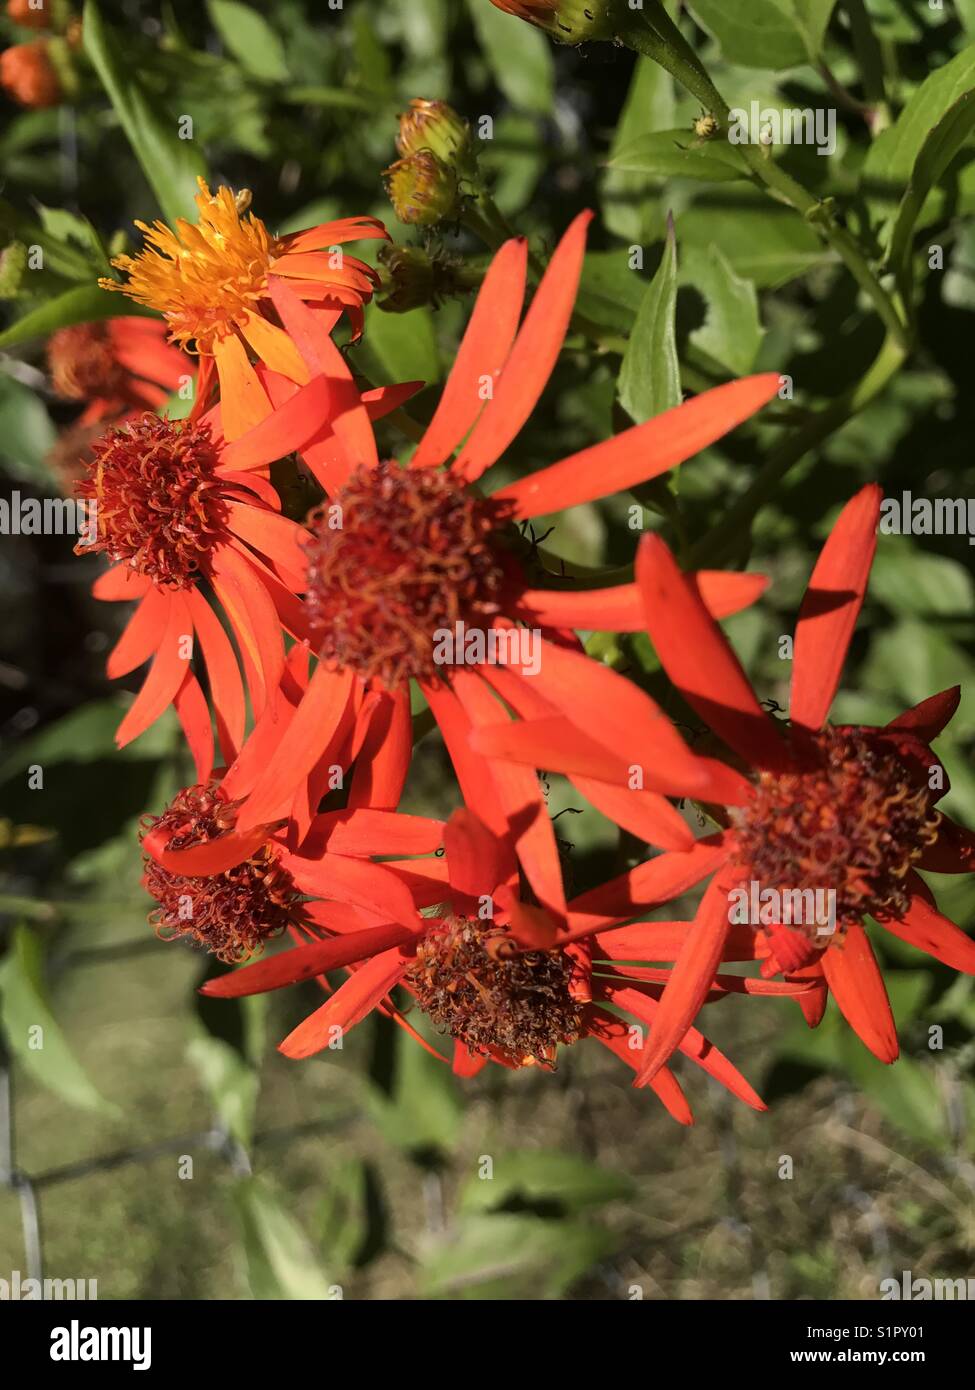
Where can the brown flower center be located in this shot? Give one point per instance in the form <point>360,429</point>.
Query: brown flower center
<point>476,988</point>
<point>853,821</point>
<point>401,556</point>
<point>156,498</point>
<point>230,914</point>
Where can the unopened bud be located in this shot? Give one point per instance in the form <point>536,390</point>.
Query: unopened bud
<point>433,125</point>
<point>422,189</point>
<point>415,277</point>
<point>570,21</point>
<point>13,263</point>
<point>28,75</point>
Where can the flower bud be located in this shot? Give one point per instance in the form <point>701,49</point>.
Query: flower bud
<point>433,125</point>
<point>422,189</point>
<point>570,21</point>
<point>13,263</point>
<point>28,76</point>
<point>414,277</point>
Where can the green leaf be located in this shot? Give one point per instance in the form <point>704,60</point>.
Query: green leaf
<point>171,165</point>
<point>250,39</point>
<point>812,20</point>
<point>674,154</point>
<point>24,1010</point>
<point>909,580</point>
<point>231,1082</point>
<point>26,432</point>
<point>422,1112</point>
<point>82,305</point>
<point>507,1256</point>
<point>548,1176</point>
<point>649,380</point>
<point>520,58</point>
<point>281,1263</point>
<point>731,334</point>
<point>762,243</point>
<point>891,159</point>
<point>940,147</point>
<point>66,226</point>
<point>754,33</point>
<point>631,202</point>
<point>398,347</point>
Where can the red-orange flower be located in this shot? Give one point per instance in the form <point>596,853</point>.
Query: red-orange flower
<point>215,284</point>
<point>401,556</point>
<point>28,76</point>
<point>116,366</point>
<point>490,970</point>
<point>847,810</point>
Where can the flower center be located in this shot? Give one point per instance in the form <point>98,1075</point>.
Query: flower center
<point>202,278</point>
<point>230,914</point>
<point>83,364</point>
<point>852,823</point>
<point>399,559</point>
<point>155,499</point>
<point>474,987</point>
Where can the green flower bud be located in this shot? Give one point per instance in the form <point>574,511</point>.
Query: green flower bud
<point>423,189</point>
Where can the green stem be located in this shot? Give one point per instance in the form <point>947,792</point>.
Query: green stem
<point>659,38</point>
<point>722,538</point>
<point>870,59</point>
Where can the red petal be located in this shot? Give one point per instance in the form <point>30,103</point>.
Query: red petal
<point>194,716</point>
<point>202,861</point>
<point>142,635</point>
<point>305,962</point>
<point>614,1034</point>
<point>640,453</point>
<point>831,607</point>
<point>226,687</point>
<point>927,929</point>
<point>315,723</point>
<point>347,1006</point>
<point>690,980</point>
<point>120,582</point>
<point>931,716</point>
<point>857,985</point>
<point>383,761</point>
<point>648,885</point>
<point>166,674</point>
<point>365,831</point>
<point>482,354</point>
<point>283,432</point>
<point>699,660</point>
<point>532,358</point>
<point>477,861</point>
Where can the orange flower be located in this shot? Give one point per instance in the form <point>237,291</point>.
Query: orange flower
<point>401,556</point>
<point>847,810</point>
<point>215,284</point>
<point>502,988</point>
<point>27,75</point>
<point>116,365</point>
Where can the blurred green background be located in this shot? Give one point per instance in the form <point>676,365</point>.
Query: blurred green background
<point>361,1173</point>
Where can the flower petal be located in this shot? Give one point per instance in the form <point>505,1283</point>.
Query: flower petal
<point>347,1006</point>
<point>697,657</point>
<point>857,985</point>
<point>640,453</point>
<point>831,607</point>
<point>532,357</point>
<point>305,962</point>
<point>929,930</point>
<point>481,355</point>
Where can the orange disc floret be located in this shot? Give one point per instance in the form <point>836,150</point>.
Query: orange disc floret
<point>203,278</point>
<point>154,497</point>
<point>28,76</point>
<point>231,914</point>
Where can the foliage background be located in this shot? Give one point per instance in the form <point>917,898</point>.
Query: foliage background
<point>360,1169</point>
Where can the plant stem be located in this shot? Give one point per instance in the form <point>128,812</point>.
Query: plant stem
<point>659,38</point>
